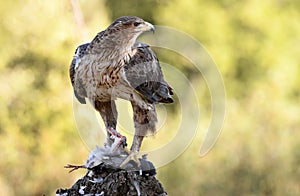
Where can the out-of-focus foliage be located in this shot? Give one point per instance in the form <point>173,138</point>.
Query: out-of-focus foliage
<point>37,130</point>
<point>145,9</point>
<point>254,43</point>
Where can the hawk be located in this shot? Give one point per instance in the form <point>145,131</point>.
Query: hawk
<point>115,65</point>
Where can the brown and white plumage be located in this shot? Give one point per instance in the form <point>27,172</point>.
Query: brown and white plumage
<point>114,65</point>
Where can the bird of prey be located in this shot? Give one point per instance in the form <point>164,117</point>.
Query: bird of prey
<point>115,65</point>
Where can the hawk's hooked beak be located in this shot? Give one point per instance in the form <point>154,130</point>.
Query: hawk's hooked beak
<point>149,27</point>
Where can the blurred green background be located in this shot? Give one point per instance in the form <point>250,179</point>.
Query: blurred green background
<point>254,43</point>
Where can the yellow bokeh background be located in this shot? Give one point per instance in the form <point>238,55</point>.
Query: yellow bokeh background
<point>254,43</point>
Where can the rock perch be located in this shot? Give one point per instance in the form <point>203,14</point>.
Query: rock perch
<point>104,177</point>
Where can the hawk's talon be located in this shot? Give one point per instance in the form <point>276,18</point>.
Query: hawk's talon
<point>119,141</point>
<point>124,143</point>
<point>116,138</point>
<point>132,156</point>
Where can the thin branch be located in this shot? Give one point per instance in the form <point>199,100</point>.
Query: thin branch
<point>79,19</point>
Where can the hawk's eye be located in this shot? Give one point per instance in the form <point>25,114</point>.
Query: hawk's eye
<point>136,24</point>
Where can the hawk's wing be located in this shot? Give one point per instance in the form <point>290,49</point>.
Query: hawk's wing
<point>82,50</point>
<point>93,47</point>
<point>79,91</point>
<point>143,72</point>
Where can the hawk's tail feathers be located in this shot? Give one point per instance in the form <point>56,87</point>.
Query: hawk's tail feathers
<point>156,92</point>
<point>164,94</point>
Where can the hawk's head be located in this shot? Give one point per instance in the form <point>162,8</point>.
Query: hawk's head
<point>128,28</point>
<point>131,24</point>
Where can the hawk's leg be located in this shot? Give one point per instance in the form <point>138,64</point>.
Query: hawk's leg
<point>109,115</point>
<point>144,124</point>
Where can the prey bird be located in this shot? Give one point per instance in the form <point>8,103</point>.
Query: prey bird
<point>115,65</point>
